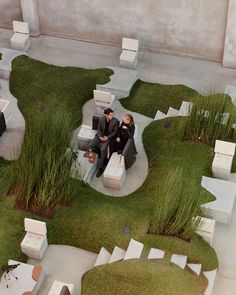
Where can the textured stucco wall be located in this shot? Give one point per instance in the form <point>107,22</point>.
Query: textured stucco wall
<point>229,59</point>
<point>9,10</point>
<point>187,27</point>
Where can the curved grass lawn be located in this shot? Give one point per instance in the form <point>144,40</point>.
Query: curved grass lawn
<point>141,277</point>
<point>95,220</point>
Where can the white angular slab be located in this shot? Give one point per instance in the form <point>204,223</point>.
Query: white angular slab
<point>117,254</point>
<point>103,257</point>
<point>231,91</point>
<point>172,112</point>
<point>180,260</point>
<point>160,115</point>
<point>225,147</point>
<point>185,108</point>
<point>156,254</point>
<point>206,229</point>
<point>134,250</point>
<point>195,268</point>
<point>210,275</point>
<point>225,192</point>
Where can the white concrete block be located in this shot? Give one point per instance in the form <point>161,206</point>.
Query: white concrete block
<point>195,268</point>
<point>117,254</point>
<point>180,260</point>
<point>210,275</point>
<point>156,254</point>
<point>103,257</point>
<point>206,229</point>
<point>130,44</point>
<point>225,147</point>
<point>185,108</point>
<point>231,91</point>
<point>160,115</point>
<point>85,135</point>
<point>35,226</point>
<point>57,287</point>
<point>134,250</point>
<point>221,166</point>
<point>20,40</point>
<point>172,112</point>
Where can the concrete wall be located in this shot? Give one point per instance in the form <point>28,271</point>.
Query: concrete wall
<point>9,10</point>
<point>186,27</point>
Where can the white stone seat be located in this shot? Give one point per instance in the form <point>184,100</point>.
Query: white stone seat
<point>57,287</point>
<point>25,282</point>
<point>103,100</point>
<point>134,250</point>
<point>103,257</point>
<point>129,55</point>
<point>20,40</point>
<point>206,229</point>
<point>222,162</point>
<point>180,260</point>
<point>115,173</point>
<point>156,254</point>
<point>117,254</point>
<point>211,276</point>
<point>85,135</point>
<point>35,241</point>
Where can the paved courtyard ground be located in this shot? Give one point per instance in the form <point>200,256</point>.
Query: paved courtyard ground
<point>204,76</point>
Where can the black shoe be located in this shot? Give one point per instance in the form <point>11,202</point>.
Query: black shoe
<point>99,173</point>
<point>119,152</point>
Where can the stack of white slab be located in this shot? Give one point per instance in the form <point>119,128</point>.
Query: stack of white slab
<point>82,169</point>
<point>103,100</point>
<point>103,257</point>
<point>156,254</point>
<point>117,254</point>
<point>129,55</point>
<point>115,173</point>
<point>85,135</point>
<point>225,192</point>
<point>222,163</point>
<point>57,287</point>
<point>134,250</point>
<point>195,267</point>
<point>180,260</point>
<point>206,229</point>
<point>35,241</point>
<point>211,276</point>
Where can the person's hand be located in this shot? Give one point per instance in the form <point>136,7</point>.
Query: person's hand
<point>118,139</point>
<point>105,138</point>
<point>124,127</point>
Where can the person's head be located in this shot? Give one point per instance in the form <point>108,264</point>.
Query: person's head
<point>108,114</point>
<point>128,119</point>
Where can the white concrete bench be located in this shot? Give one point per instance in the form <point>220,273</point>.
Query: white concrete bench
<point>82,169</point>
<point>57,287</point>
<point>27,281</point>
<point>20,40</point>
<point>134,250</point>
<point>35,241</point>
<point>222,163</point>
<point>129,55</point>
<point>206,229</point>
<point>103,100</point>
<point>85,135</point>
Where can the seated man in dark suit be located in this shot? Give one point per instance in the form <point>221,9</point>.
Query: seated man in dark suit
<point>107,130</point>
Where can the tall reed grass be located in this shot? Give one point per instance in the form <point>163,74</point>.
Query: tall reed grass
<point>42,172</point>
<point>208,120</point>
<point>176,207</point>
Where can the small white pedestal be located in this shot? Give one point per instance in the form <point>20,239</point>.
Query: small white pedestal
<point>85,135</point>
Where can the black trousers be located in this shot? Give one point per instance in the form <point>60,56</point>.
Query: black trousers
<point>96,143</point>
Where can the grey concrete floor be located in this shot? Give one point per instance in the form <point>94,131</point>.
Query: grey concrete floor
<point>204,76</point>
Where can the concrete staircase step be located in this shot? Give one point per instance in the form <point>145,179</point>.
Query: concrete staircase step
<point>210,275</point>
<point>134,250</point>
<point>121,82</point>
<point>185,108</point>
<point>172,112</point>
<point>103,257</point>
<point>160,115</point>
<point>117,254</point>
<point>180,260</point>
<point>156,254</point>
<point>196,268</point>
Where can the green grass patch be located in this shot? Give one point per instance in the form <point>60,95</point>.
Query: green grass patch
<point>141,277</point>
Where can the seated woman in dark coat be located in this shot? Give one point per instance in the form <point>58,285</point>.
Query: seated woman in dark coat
<point>124,142</point>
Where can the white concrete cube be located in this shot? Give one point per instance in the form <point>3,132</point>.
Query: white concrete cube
<point>57,287</point>
<point>103,100</point>
<point>222,162</point>
<point>117,254</point>
<point>85,135</point>
<point>134,250</point>
<point>179,260</point>
<point>129,55</point>
<point>115,173</point>
<point>103,257</point>
<point>20,40</point>
<point>35,241</point>
<point>211,276</point>
<point>206,229</point>
<point>156,254</point>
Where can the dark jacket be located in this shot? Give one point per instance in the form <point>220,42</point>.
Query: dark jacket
<point>129,153</point>
<point>113,127</point>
